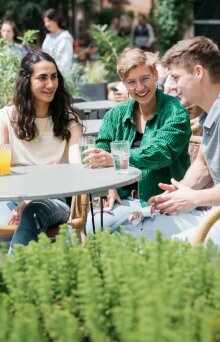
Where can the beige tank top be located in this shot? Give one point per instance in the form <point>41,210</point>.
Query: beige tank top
<point>44,149</point>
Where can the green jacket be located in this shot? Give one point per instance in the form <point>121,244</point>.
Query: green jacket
<point>163,153</point>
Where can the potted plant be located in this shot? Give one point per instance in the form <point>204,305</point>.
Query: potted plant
<point>10,65</point>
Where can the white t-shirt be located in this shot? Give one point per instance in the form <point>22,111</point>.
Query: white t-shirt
<point>60,47</point>
<point>44,149</point>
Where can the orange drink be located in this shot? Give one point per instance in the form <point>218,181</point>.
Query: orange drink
<point>5,159</point>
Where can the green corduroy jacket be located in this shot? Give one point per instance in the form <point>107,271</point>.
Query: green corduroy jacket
<point>163,153</point>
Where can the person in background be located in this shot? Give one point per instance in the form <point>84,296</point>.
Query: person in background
<point>125,26</point>
<point>117,92</point>
<point>142,34</point>
<point>9,32</point>
<point>115,24</point>
<point>41,128</point>
<point>58,41</point>
<point>157,128</point>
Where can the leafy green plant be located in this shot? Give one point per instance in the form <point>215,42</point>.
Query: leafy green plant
<point>9,67</point>
<point>109,47</point>
<point>75,77</point>
<point>92,72</point>
<point>171,19</point>
<point>96,72</point>
<point>29,37</point>
<point>113,288</point>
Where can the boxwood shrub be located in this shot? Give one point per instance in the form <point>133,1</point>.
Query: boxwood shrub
<point>113,288</point>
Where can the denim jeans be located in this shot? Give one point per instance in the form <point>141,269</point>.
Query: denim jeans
<point>168,225</point>
<point>39,216</point>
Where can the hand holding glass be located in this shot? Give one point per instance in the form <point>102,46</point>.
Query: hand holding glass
<point>5,159</point>
<point>84,144</point>
<point>120,152</point>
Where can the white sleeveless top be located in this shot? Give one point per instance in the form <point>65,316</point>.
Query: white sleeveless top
<point>44,149</point>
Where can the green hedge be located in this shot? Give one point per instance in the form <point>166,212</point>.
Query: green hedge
<point>112,289</point>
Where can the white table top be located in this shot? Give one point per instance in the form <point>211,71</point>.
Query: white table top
<point>92,126</point>
<point>95,105</point>
<point>61,180</point>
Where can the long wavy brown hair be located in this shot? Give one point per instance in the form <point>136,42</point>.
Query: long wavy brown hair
<point>23,118</point>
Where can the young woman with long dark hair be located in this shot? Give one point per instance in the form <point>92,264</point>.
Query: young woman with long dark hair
<point>41,128</point>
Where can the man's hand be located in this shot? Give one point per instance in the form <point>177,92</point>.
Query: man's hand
<point>176,199</point>
<point>16,213</point>
<point>111,199</point>
<point>98,158</point>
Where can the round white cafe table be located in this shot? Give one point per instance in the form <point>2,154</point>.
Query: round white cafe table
<point>61,180</point>
<point>95,105</point>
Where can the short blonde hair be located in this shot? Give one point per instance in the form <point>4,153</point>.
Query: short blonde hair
<point>133,57</point>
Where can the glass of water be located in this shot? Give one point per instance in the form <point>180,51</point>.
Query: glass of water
<point>84,144</point>
<point>120,151</point>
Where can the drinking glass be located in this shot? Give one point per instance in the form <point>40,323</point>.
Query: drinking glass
<point>120,152</point>
<point>84,144</point>
<point>5,159</point>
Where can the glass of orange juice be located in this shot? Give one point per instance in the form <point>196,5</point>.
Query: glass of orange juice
<point>5,159</point>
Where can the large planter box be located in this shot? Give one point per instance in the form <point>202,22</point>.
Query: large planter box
<point>93,91</point>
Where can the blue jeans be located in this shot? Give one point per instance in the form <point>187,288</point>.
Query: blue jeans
<point>168,225</point>
<point>118,216</point>
<point>38,216</point>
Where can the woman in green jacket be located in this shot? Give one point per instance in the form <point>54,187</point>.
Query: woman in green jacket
<point>157,128</point>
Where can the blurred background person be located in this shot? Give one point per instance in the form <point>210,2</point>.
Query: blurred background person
<point>143,34</point>
<point>58,41</point>
<point>125,26</point>
<point>10,33</point>
<point>115,24</point>
<point>117,92</point>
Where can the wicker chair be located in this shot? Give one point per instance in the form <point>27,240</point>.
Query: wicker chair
<point>194,145</point>
<point>205,226</point>
<point>78,215</point>
<point>203,229</point>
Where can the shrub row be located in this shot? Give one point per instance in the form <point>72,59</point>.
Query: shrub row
<point>114,288</point>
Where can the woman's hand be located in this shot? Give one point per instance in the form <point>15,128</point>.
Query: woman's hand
<point>111,199</point>
<point>16,213</point>
<point>98,158</point>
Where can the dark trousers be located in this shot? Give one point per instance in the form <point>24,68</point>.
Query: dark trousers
<point>39,216</point>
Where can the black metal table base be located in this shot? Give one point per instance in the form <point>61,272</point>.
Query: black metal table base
<point>93,214</point>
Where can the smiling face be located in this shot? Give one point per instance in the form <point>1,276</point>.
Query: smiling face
<point>187,84</point>
<point>7,32</point>
<point>141,84</point>
<point>44,82</point>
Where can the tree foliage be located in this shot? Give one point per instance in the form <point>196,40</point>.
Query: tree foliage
<point>171,18</point>
<point>28,14</point>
